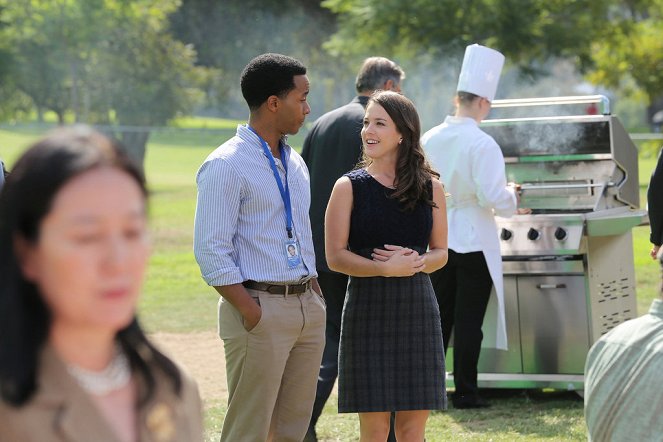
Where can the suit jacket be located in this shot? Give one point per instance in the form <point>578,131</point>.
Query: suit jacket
<point>61,411</point>
<point>331,148</point>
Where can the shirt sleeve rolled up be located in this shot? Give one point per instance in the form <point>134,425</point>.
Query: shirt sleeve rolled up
<point>215,226</point>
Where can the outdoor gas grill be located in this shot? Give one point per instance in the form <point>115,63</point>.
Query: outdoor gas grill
<point>568,266</point>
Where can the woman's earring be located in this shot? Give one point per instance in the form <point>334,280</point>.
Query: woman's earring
<point>400,141</point>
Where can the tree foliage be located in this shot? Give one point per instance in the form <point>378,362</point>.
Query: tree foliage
<point>140,72</point>
<point>228,34</point>
<point>526,31</point>
<point>102,58</point>
<point>141,62</point>
<point>105,61</point>
<point>629,56</point>
<point>617,43</point>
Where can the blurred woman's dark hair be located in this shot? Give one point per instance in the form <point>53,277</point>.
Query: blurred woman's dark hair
<point>25,200</point>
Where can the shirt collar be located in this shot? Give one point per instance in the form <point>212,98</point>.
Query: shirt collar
<point>250,137</point>
<point>361,99</point>
<point>451,119</point>
<point>656,308</point>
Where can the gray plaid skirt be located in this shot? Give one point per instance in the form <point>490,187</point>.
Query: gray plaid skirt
<point>391,354</point>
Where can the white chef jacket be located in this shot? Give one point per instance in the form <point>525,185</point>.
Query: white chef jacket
<point>471,167</point>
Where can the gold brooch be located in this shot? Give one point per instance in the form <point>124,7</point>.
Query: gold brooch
<point>160,423</point>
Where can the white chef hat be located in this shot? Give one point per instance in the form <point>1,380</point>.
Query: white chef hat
<point>481,71</point>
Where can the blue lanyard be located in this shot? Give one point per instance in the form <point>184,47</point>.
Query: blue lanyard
<point>285,191</point>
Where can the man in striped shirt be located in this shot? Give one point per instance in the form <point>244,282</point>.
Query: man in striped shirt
<point>253,203</point>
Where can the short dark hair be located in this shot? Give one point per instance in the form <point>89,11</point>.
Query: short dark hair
<point>267,75</point>
<point>375,72</point>
<point>25,201</point>
<point>466,97</point>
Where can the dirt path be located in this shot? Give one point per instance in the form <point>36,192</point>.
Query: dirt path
<point>201,354</point>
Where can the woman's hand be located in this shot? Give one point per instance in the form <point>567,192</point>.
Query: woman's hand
<point>398,261</point>
<point>388,252</point>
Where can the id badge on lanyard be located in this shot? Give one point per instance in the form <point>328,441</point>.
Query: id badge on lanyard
<point>290,245</point>
<point>292,252</point>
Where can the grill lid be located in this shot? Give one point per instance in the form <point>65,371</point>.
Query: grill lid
<point>578,163</point>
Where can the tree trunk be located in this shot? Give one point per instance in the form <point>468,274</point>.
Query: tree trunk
<point>135,143</point>
<point>75,105</point>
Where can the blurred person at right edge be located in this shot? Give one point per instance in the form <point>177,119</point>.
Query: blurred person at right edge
<point>623,386</point>
<point>331,148</point>
<point>471,166</point>
<point>655,207</point>
<point>2,173</point>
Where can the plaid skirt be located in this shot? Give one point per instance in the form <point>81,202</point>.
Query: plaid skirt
<point>391,354</point>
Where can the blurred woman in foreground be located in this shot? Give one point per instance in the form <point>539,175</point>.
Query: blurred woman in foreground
<point>74,363</point>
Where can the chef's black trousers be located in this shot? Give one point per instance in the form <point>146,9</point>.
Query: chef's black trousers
<point>462,288</point>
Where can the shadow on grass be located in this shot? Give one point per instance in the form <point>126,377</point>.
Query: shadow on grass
<point>529,414</point>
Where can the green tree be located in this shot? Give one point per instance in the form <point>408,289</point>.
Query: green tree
<point>141,75</point>
<point>629,55</point>
<point>105,61</point>
<point>228,34</point>
<point>616,43</point>
<point>528,32</point>
<point>46,40</point>
<point>11,101</point>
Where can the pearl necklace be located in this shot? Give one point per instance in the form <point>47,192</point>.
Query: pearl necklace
<point>116,375</point>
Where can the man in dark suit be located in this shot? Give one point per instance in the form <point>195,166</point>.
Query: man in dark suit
<point>332,148</point>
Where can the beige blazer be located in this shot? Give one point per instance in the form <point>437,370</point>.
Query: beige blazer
<point>61,411</point>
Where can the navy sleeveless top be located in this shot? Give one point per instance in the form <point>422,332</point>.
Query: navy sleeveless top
<point>377,219</point>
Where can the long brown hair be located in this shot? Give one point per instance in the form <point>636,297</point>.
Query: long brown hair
<point>413,172</point>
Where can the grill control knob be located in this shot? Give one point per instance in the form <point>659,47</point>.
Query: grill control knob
<point>533,234</point>
<point>560,234</point>
<point>506,234</point>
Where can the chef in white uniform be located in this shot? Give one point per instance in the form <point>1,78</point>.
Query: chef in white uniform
<point>472,169</point>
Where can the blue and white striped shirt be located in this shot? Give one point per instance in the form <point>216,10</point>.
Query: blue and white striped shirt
<point>240,226</point>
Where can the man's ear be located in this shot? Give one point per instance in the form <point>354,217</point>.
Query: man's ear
<point>273,103</point>
<point>26,257</point>
<point>388,85</point>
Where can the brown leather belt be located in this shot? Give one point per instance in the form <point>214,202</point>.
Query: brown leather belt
<point>278,289</point>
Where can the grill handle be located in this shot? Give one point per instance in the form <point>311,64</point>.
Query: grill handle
<point>554,101</point>
<point>564,186</point>
<point>550,286</point>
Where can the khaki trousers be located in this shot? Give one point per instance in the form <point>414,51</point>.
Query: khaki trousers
<point>272,370</point>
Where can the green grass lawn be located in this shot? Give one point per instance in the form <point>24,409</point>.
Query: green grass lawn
<point>177,300</point>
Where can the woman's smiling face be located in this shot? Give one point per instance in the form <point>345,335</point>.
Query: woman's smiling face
<point>379,134</point>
